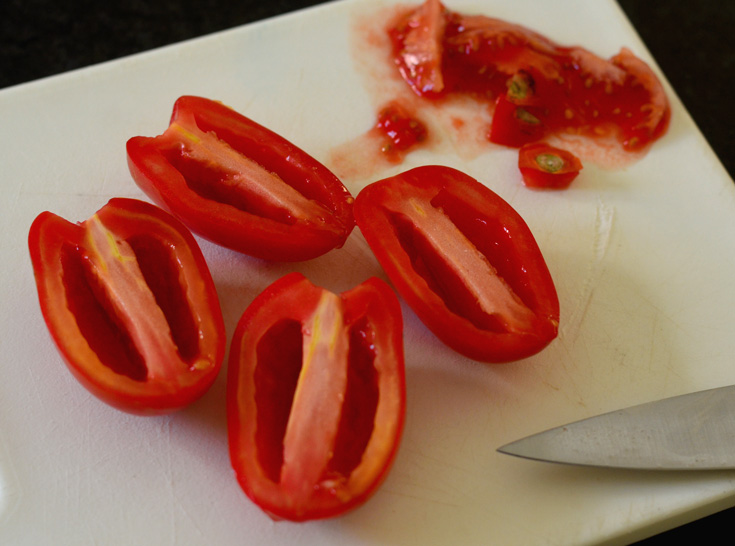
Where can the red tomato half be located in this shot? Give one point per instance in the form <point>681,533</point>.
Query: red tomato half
<point>544,166</point>
<point>241,185</point>
<point>315,396</point>
<point>464,260</point>
<point>131,305</point>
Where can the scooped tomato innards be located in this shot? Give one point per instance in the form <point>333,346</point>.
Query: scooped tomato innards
<point>535,86</point>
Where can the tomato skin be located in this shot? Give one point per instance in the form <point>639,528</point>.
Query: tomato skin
<point>129,301</point>
<point>241,185</point>
<point>464,261</point>
<point>545,166</point>
<point>315,396</point>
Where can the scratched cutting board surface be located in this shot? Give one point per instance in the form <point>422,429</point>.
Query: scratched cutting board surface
<point>642,255</point>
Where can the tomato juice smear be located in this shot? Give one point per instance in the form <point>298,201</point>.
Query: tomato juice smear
<point>555,89</point>
<point>457,123</point>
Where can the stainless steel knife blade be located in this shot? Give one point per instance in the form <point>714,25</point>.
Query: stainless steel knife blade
<point>694,431</point>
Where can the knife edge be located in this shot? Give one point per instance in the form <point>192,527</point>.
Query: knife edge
<point>694,431</point>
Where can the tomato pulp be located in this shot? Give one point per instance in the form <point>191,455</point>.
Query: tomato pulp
<point>401,131</point>
<point>543,88</point>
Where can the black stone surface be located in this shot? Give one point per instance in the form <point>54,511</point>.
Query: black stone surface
<point>690,42</point>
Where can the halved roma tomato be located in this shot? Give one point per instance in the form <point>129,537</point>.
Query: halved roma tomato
<point>315,396</point>
<point>130,303</point>
<point>545,166</point>
<point>241,185</point>
<point>463,259</point>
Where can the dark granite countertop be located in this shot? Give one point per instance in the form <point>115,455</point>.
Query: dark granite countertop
<point>39,38</point>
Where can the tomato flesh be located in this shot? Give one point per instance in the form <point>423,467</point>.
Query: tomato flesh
<point>91,310</point>
<point>275,386</point>
<point>566,89</point>
<point>515,125</point>
<point>463,277</point>
<point>401,131</point>
<point>360,405</point>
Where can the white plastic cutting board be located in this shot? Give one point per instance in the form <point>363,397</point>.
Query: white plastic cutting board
<point>643,257</point>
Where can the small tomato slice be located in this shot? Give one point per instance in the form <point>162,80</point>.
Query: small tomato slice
<point>315,396</point>
<point>463,259</point>
<point>130,304</point>
<point>241,185</point>
<point>417,42</point>
<point>545,166</point>
<point>514,125</point>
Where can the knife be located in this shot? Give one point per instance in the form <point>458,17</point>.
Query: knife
<point>694,431</point>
